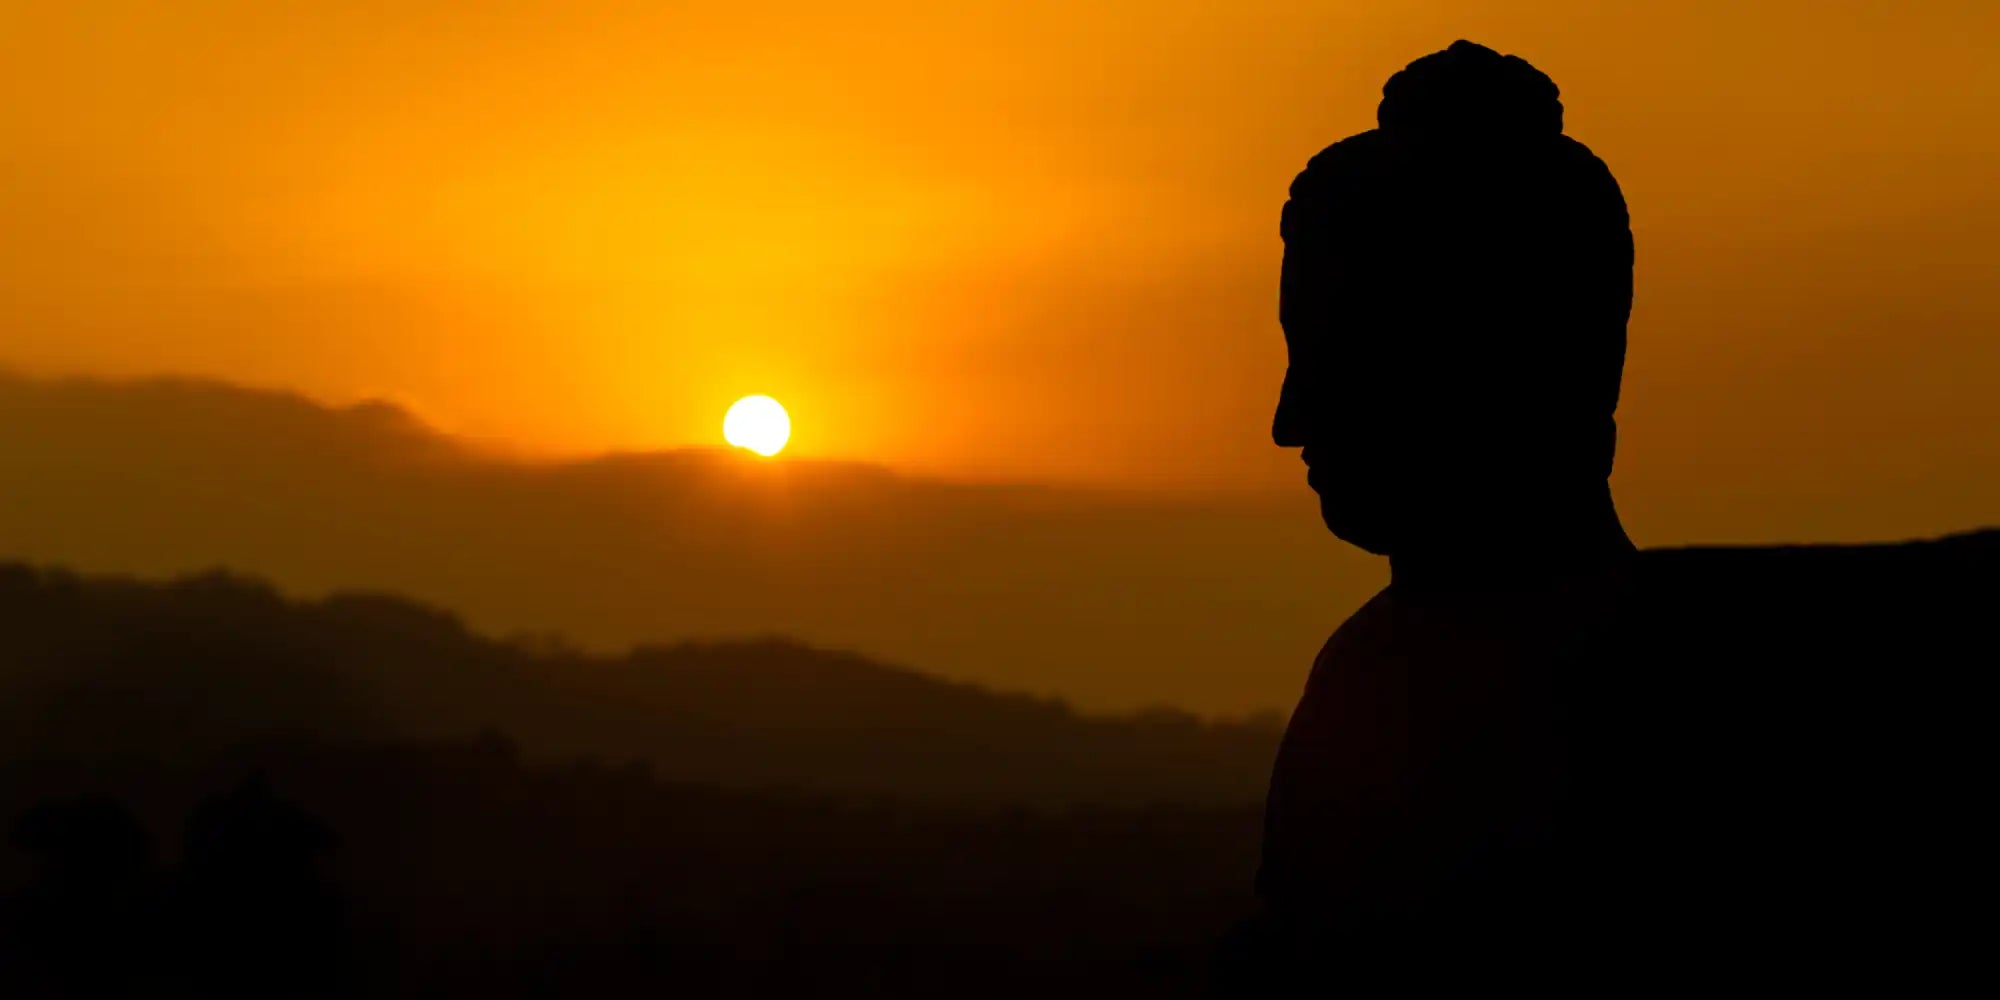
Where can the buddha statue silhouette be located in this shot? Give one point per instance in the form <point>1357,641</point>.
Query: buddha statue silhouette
<point>1542,756</point>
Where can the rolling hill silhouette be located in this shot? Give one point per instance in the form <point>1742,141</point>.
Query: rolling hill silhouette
<point>1114,601</point>
<point>94,668</point>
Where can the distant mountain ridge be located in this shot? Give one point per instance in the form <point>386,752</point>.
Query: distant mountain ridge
<point>1114,601</point>
<point>178,671</point>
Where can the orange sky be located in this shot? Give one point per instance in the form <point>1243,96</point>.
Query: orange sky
<point>1030,240</point>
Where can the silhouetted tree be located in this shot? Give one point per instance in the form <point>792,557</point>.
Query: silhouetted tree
<point>87,924</point>
<point>254,915</point>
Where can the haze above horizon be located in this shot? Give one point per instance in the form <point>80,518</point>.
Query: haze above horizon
<point>1023,241</point>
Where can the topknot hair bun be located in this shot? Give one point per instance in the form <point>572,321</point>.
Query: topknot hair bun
<point>1470,90</point>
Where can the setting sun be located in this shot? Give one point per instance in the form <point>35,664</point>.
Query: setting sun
<point>759,424</point>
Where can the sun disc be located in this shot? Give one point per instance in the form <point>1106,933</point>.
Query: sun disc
<point>759,424</point>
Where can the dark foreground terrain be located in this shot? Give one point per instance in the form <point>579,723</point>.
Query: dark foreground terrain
<point>215,792</point>
<point>456,870</point>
